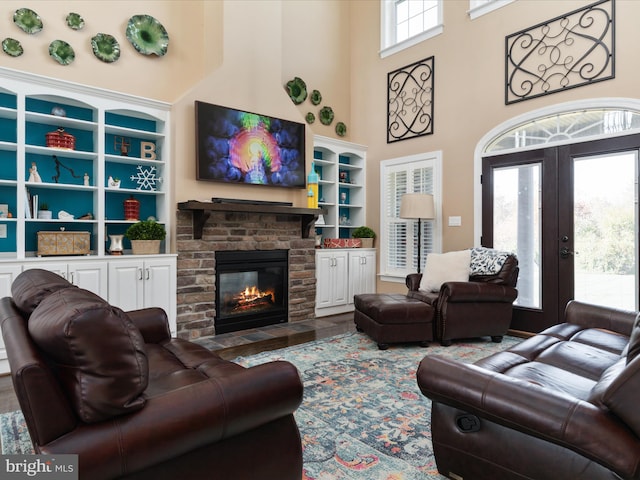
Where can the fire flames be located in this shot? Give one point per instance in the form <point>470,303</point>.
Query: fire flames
<point>252,297</point>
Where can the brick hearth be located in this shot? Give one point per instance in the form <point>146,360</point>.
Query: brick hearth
<point>238,231</point>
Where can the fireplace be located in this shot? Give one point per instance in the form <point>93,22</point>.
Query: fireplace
<point>251,289</point>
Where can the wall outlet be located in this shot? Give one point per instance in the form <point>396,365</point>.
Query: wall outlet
<point>455,221</point>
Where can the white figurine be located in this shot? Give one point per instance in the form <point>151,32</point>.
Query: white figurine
<point>34,176</point>
<point>86,179</point>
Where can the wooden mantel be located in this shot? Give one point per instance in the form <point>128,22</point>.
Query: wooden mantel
<point>202,212</point>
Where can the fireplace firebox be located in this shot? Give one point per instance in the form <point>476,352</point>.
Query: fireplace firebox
<point>251,289</point>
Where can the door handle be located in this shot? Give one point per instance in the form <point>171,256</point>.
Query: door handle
<point>566,253</point>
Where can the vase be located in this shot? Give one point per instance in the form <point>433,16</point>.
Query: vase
<point>45,214</point>
<point>131,209</point>
<point>115,247</point>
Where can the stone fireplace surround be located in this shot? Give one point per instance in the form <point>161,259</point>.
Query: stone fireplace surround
<point>237,230</point>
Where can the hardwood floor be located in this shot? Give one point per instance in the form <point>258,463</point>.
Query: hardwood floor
<point>236,344</point>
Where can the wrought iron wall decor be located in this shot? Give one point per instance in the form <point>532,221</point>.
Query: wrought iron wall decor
<point>569,51</point>
<point>410,101</point>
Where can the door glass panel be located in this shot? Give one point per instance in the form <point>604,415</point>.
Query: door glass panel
<point>605,222</point>
<point>517,227</point>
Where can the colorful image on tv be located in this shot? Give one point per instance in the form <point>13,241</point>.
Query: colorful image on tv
<point>234,146</point>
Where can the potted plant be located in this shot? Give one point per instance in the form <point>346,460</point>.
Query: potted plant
<point>44,212</point>
<point>146,236</point>
<point>366,235</point>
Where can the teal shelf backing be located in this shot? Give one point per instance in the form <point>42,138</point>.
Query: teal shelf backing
<point>37,105</point>
<point>126,121</point>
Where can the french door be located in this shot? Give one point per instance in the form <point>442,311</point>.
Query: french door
<point>571,215</point>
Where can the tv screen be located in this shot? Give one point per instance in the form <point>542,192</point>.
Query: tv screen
<point>234,146</point>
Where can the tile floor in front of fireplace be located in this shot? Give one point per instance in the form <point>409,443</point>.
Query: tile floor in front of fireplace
<point>242,343</point>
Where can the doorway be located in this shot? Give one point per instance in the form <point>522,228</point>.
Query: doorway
<point>570,212</point>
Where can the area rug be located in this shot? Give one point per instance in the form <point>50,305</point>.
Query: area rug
<point>362,416</point>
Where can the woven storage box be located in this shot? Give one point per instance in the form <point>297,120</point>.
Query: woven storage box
<point>342,243</point>
<point>61,139</point>
<point>145,247</point>
<point>64,243</point>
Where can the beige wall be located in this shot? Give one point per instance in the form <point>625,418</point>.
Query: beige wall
<point>240,53</point>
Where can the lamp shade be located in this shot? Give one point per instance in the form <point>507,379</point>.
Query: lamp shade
<point>417,205</point>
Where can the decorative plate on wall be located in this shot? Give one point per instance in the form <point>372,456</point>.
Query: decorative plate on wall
<point>105,47</point>
<point>341,129</point>
<point>147,35</point>
<point>297,90</point>
<point>27,20</point>
<point>310,118</point>
<point>12,47</point>
<point>75,21</point>
<point>326,115</point>
<point>62,52</point>
<point>315,97</point>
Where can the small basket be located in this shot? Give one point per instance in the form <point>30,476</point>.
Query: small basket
<point>145,247</point>
<point>61,139</point>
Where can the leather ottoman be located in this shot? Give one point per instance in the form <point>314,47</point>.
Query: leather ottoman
<point>393,318</point>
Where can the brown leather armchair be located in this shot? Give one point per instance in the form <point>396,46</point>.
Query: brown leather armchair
<point>477,308</point>
<point>132,402</point>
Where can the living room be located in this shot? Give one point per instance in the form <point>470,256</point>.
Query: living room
<point>241,54</point>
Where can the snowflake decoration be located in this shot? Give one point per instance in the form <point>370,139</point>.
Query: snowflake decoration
<point>146,178</point>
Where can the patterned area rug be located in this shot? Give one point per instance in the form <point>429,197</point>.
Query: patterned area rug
<point>362,417</point>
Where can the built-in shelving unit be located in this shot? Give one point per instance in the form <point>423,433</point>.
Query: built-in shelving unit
<point>341,187</point>
<point>116,135</point>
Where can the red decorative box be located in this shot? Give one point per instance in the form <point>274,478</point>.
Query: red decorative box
<point>342,243</point>
<point>61,139</point>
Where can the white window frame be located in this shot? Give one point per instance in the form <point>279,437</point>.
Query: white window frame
<point>412,162</point>
<point>477,8</point>
<point>388,44</point>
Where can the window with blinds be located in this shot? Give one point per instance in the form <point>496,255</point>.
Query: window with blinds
<point>416,174</point>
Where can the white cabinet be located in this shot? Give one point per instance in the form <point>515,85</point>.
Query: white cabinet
<point>136,283</point>
<point>8,273</point>
<point>341,170</point>
<point>341,274</point>
<point>331,279</point>
<point>362,272</point>
<point>91,275</point>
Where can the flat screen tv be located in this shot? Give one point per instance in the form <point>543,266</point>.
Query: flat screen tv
<point>235,146</point>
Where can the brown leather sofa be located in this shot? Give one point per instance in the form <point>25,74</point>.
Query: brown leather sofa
<point>562,404</point>
<point>480,307</point>
<point>132,402</point>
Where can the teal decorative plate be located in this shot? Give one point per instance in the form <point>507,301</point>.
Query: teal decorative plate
<point>326,115</point>
<point>105,47</point>
<point>61,52</point>
<point>27,20</point>
<point>315,97</point>
<point>310,118</point>
<point>12,47</point>
<point>341,129</point>
<point>147,35</point>
<point>75,21</point>
<point>297,90</point>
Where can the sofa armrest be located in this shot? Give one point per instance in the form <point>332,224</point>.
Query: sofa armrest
<point>597,316</point>
<point>522,406</point>
<point>476,292</point>
<point>152,323</point>
<point>185,419</point>
<point>413,281</point>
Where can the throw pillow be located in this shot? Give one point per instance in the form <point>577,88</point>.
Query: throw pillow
<point>487,261</point>
<point>98,353</point>
<point>445,267</point>
<point>34,285</point>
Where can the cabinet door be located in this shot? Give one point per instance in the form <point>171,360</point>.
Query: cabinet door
<point>126,284</point>
<point>8,274</point>
<point>56,267</point>
<point>339,278</point>
<point>160,287</point>
<point>91,276</point>
<point>324,265</point>
<point>362,273</point>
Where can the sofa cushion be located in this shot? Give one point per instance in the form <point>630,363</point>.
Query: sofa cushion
<point>621,396</point>
<point>445,267</point>
<point>487,261</point>
<point>33,285</point>
<point>96,351</point>
<point>634,341</point>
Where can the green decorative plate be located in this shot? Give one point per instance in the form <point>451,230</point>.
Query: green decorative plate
<point>297,90</point>
<point>315,97</point>
<point>341,129</point>
<point>147,35</point>
<point>75,21</point>
<point>61,52</point>
<point>105,47</point>
<point>27,20</point>
<point>326,115</point>
<point>310,118</point>
<point>12,47</point>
